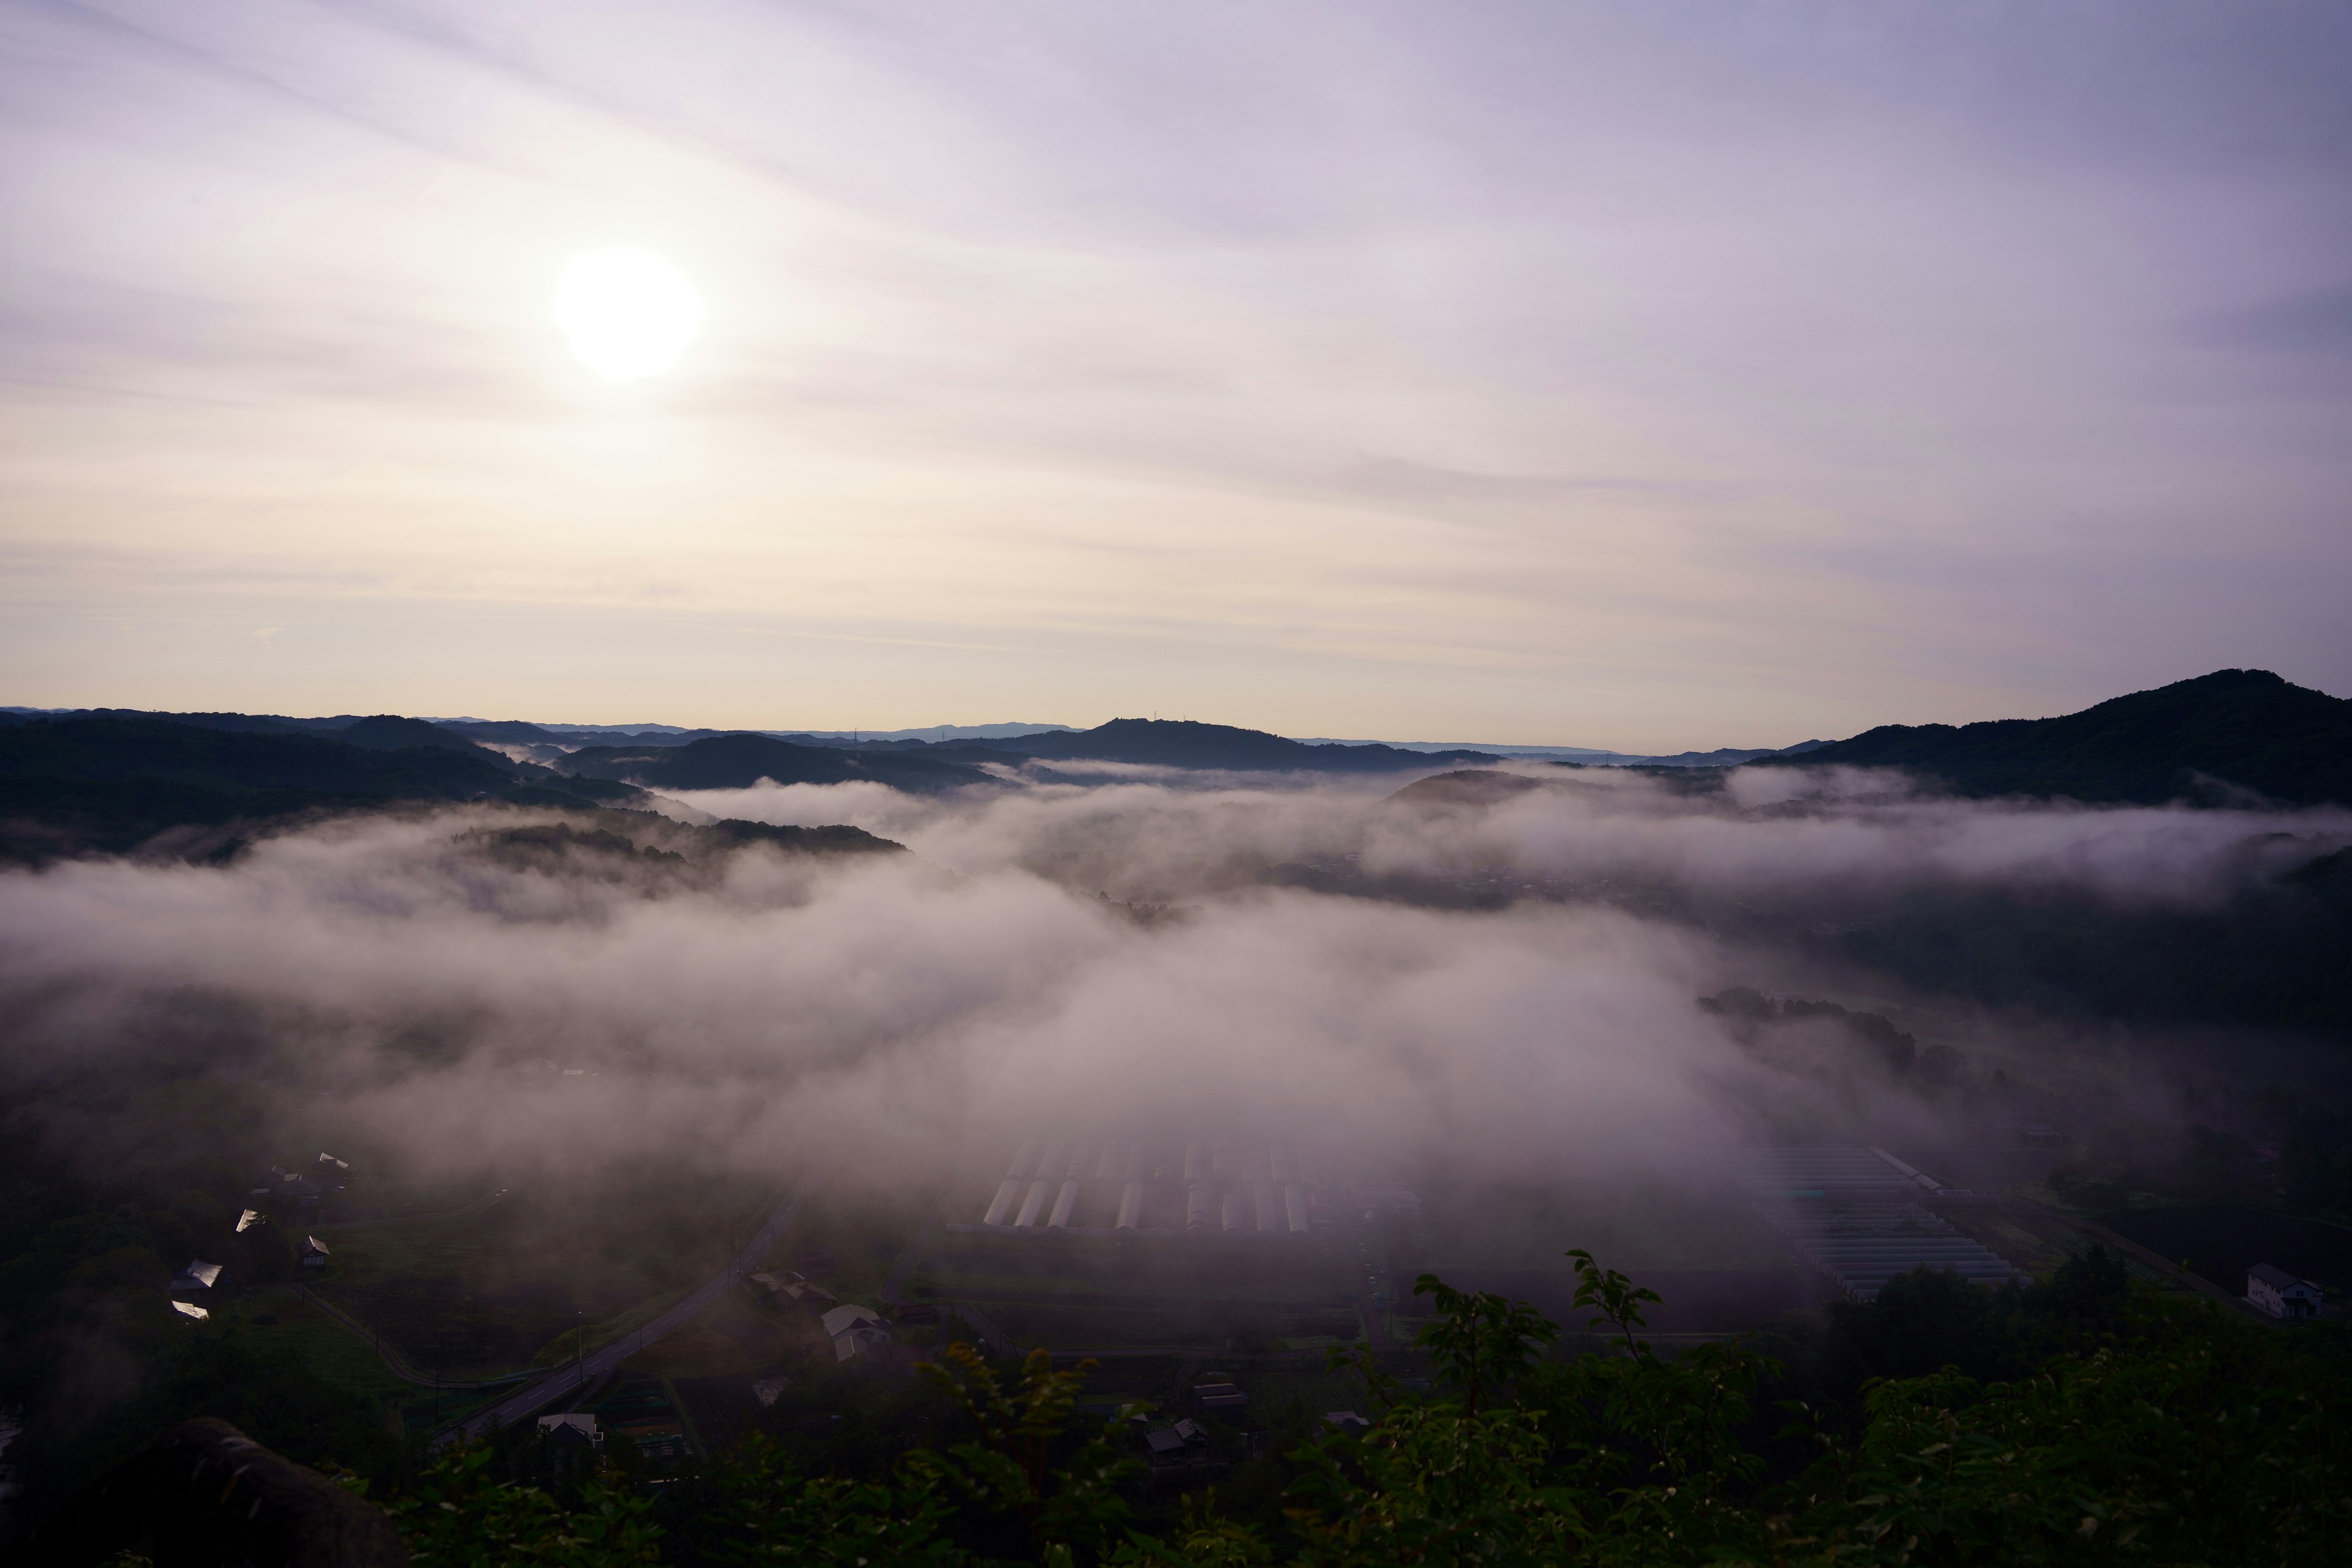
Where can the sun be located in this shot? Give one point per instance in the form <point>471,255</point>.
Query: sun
<point>628,313</point>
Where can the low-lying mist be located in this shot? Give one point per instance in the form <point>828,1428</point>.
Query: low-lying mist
<point>1492,974</point>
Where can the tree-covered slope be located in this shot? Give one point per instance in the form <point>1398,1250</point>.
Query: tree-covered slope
<point>73,785</point>
<point>2192,740</point>
<point>738,761</point>
<point>1184,743</point>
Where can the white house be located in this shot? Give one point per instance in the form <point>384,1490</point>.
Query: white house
<point>198,1275</point>
<point>575,1429</point>
<point>856,1331</point>
<point>2281,1294</point>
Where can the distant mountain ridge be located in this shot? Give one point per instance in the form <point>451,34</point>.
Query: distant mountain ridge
<point>113,783</point>
<point>543,742</point>
<point>1188,744</point>
<point>2200,739</point>
<point>739,761</point>
<point>736,760</point>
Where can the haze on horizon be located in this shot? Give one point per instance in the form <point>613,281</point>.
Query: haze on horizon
<point>1639,377</point>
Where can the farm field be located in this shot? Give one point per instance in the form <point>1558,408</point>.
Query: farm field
<point>513,1283</point>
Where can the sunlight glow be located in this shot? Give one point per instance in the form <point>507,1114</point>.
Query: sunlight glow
<point>628,313</point>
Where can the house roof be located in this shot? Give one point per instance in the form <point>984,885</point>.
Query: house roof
<point>198,1275</point>
<point>312,1246</point>
<point>247,1220</point>
<point>577,1423</point>
<point>841,1320</point>
<point>2278,1278</point>
<point>185,1310</point>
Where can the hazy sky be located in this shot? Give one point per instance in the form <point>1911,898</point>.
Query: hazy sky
<point>1640,375</point>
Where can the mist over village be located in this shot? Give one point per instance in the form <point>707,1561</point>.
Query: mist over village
<point>1693,906</point>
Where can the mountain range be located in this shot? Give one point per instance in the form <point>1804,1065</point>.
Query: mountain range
<point>111,779</point>
<point>2233,737</point>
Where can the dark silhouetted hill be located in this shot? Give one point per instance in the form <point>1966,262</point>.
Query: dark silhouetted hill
<point>112,783</point>
<point>739,761</point>
<point>1185,743</point>
<point>2203,740</point>
<point>511,730</point>
<point>69,786</point>
<point>1470,786</point>
<point>391,733</point>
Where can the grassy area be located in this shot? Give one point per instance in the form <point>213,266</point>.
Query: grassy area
<point>277,1316</point>
<point>504,1287</point>
<point>847,1242</point>
<point>1633,1227</point>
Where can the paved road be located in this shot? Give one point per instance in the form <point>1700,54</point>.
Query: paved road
<point>606,1357</point>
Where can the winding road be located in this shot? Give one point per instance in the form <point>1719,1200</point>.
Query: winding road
<point>604,1358</point>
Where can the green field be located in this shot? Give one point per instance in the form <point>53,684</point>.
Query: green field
<point>508,1285</point>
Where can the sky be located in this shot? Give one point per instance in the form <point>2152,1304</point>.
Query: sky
<point>1635,376</point>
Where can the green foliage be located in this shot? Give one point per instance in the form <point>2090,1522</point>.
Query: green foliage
<point>769,1513</point>
<point>455,1515</point>
<point>1004,1470</point>
<point>1481,1340</point>
<point>2151,1433</point>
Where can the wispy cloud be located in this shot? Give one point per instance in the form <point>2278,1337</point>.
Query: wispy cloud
<point>1621,378</point>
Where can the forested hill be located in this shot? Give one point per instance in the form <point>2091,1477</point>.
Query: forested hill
<point>737,762</point>
<point>1184,743</point>
<point>2193,740</point>
<point>69,786</point>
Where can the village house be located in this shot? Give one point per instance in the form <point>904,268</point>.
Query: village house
<point>856,1331</point>
<point>312,1253</point>
<point>576,1430</point>
<point>198,1275</point>
<point>1220,1398</point>
<point>2282,1294</point>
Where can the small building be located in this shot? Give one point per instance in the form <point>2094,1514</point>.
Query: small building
<point>1347,1422</point>
<point>248,1220</point>
<point>198,1275</point>
<point>1220,1399</point>
<point>187,1309</point>
<point>1185,1443</point>
<point>801,1289</point>
<point>577,1430</point>
<point>856,1331</point>
<point>312,1253</point>
<point>2282,1294</point>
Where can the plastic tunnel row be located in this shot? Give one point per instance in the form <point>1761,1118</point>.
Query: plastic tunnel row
<point>1226,1188</point>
